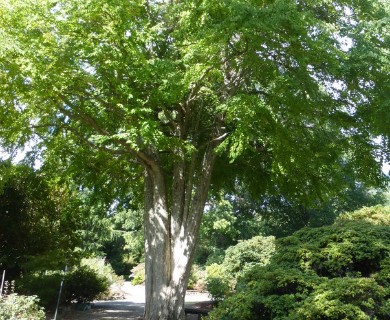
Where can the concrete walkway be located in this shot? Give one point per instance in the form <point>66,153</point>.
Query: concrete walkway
<point>131,307</point>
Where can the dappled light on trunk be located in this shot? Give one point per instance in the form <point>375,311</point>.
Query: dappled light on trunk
<point>171,234</point>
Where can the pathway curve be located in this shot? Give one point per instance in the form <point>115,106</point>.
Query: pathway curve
<point>130,308</point>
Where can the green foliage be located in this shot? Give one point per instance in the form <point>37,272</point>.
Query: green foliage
<point>346,298</point>
<point>264,73</point>
<point>218,282</point>
<point>138,274</point>
<point>333,272</point>
<point>45,286</point>
<point>102,269</point>
<point>197,278</point>
<point>378,215</point>
<point>126,247</point>
<point>247,216</point>
<point>270,86</point>
<point>217,232</point>
<point>16,307</point>
<point>221,279</point>
<point>81,284</point>
<point>94,226</point>
<point>84,285</point>
<point>246,254</point>
<point>139,278</point>
<point>265,293</point>
<point>35,231</point>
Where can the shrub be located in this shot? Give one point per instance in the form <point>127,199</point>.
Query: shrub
<point>197,278</point>
<point>138,274</point>
<point>81,284</point>
<point>218,282</point>
<point>16,307</point>
<point>45,286</point>
<point>101,268</point>
<point>221,279</point>
<point>248,253</point>
<point>345,298</point>
<point>84,285</point>
<point>334,272</point>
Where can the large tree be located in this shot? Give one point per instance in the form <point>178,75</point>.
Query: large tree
<point>277,93</point>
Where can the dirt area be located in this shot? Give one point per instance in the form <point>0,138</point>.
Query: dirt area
<point>131,307</point>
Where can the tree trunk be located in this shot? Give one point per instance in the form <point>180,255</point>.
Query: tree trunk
<point>171,230</point>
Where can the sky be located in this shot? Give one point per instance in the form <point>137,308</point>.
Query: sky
<point>386,168</point>
<point>19,156</point>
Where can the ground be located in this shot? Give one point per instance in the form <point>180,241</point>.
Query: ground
<point>130,307</point>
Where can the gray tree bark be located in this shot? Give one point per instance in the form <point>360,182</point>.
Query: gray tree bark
<point>171,223</point>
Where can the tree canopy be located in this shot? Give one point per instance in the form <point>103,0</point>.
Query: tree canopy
<point>269,79</point>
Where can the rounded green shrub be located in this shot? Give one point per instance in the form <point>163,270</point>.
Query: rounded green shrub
<point>340,271</point>
<point>345,298</point>
<point>246,254</point>
<point>84,285</point>
<point>221,279</point>
<point>103,269</point>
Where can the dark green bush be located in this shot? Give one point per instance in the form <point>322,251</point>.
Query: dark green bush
<point>80,285</point>
<point>334,272</point>
<point>45,286</point>
<point>84,285</point>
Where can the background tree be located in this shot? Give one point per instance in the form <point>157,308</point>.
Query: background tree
<point>281,217</point>
<point>45,226</point>
<point>177,91</point>
<point>239,215</point>
<point>35,233</point>
<point>126,247</point>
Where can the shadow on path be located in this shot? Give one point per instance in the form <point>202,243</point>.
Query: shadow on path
<point>108,310</point>
<point>119,309</point>
<point>131,308</point>
<point>112,310</point>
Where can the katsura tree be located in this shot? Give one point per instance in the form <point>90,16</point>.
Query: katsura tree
<point>185,96</point>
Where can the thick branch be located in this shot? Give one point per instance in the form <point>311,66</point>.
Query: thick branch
<point>189,185</point>
<point>201,192</point>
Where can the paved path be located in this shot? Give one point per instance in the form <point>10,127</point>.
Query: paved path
<point>130,308</point>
